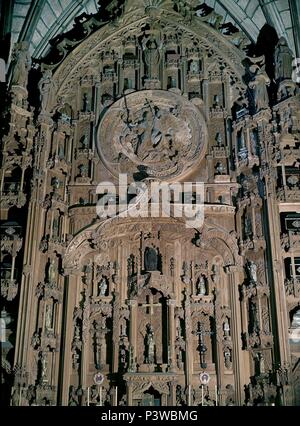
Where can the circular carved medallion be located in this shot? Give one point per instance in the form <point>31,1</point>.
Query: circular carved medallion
<point>157,133</point>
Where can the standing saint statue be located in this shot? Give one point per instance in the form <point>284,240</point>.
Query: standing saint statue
<point>43,367</point>
<point>201,287</point>
<point>252,271</point>
<point>21,64</point>
<point>253,317</point>
<point>283,60</point>
<point>102,287</point>
<point>51,276</point>
<point>150,345</point>
<point>45,84</point>
<point>226,327</point>
<point>151,259</point>
<point>152,56</point>
<point>48,317</point>
<point>259,85</point>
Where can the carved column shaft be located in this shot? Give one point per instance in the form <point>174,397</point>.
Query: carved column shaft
<point>189,342</point>
<point>237,354</point>
<point>133,325</point>
<point>67,333</point>
<point>171,307</point>
<point>27,317</point>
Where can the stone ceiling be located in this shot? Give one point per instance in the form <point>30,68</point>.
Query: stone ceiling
<point>38,21</point>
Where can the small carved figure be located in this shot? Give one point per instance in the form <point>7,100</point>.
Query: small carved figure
<point>226,327</point>
<point>43,367</point>
<point>227,358</point>
<point>220,168</point>
<point>150,345</point>
<point>102,287</point>
<point>151,259</point>
<point>51,276</point>
<point>152,56</point>
<point>48,317</point>
<point>73,398</point>
<point>21,64</point>
<point>55,183</point>
<point>253,318</point>
<point>283,60</point>
<point>83,170</point>
<point>194,67</point>
<point>85,103</point>
<point>252,268</point>
<point>259,85</point>
<point>201,287</point>
<point>219,139</point>
<point>45,88</point>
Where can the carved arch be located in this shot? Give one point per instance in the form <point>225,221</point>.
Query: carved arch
<point>86,54</point>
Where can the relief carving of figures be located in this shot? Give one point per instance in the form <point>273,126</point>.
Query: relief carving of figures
<point>31,395</point>
<point>15,398</point>
<point>152,132</point>
<point>73,396</point>
<point>229,395</point>
<point>180,395</point>
<point>283,60</point>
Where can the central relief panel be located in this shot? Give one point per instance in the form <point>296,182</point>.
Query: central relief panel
<point>152,132</point>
